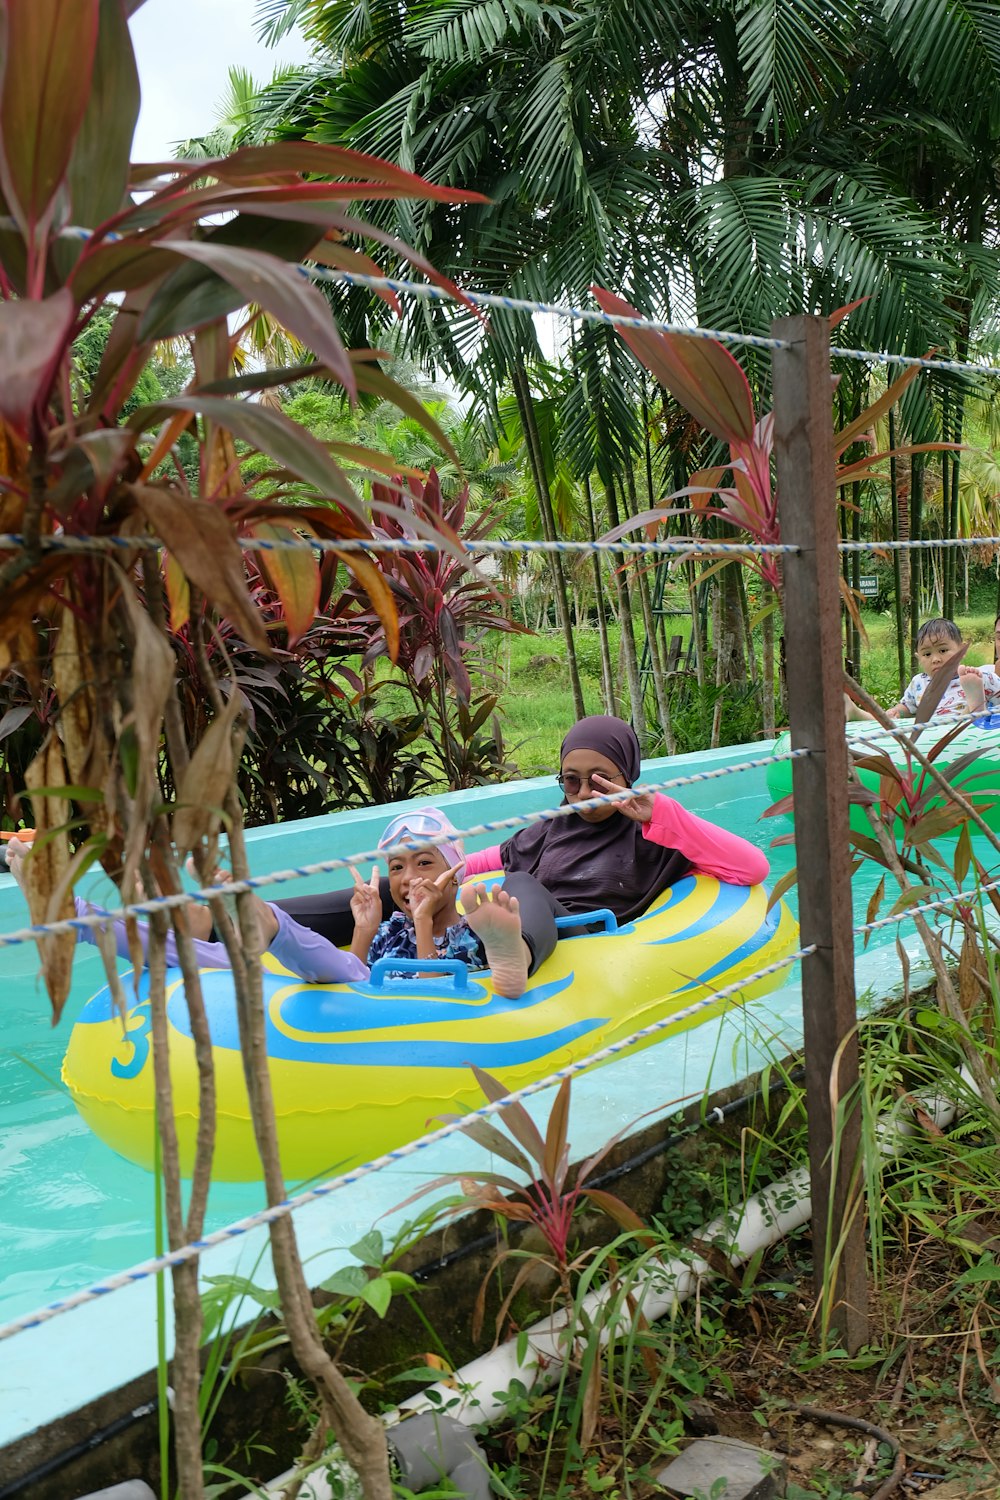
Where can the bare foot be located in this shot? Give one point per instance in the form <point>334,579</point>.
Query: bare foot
<point>973,687</point>
<point>493,916</point>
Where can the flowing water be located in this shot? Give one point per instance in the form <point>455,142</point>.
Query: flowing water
<point>72,1211</point>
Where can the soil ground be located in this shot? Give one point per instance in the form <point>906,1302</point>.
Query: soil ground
<point>747,1364</point>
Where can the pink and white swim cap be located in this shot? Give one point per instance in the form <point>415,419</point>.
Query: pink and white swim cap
<point>418,826</point>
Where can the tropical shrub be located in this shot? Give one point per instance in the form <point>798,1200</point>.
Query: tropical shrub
<point>166,255</point>
<point>445,609</point>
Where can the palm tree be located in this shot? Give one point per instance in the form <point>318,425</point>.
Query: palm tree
<point>730,163</point>
<point>235,123</point>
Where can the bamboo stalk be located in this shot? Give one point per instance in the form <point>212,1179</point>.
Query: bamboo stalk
<point>186,1368</point>
<point>628,646</point>
<point>897,556</point>
<point>522,393</point>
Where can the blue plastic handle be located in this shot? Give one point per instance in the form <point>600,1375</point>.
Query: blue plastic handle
<point>387,969</point>
<point>590,919</point>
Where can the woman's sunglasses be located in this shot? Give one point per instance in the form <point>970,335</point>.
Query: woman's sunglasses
<point>571,783</point>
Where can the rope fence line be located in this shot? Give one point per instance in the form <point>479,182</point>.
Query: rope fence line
<point>672,546</point>
<point>946,903</point>
<point>64,543</point>
<point>268,1215</point>
<point>910,728</point>
<point>922,544</point>
<point>429,292</point>
<point>432,293</point>
<point>352,861</point>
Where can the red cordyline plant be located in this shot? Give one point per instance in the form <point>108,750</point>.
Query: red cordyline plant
<point>550,1201</point>
<point>173,251</point>
<point>709,383</point>
<point>444,608</point>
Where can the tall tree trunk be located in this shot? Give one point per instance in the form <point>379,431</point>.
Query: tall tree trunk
<point>900,512</point>
<point>856,579</point>
<point>730,646</point>
<point>631,655</point>
<point>948,511</point>
<point>649,622</point>
<point>522,391</point>
<point>958,429</point>
<point>747,627</point>
<point>718,632</point>
<point>607,675</point>
<point>647,446</point>
<point>768,603</point>
<point>917,567</point>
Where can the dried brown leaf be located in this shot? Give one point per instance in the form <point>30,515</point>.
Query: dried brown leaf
<point>591,1406</point>
<point>971,969</point>
<point>44,870</point>
<point>202,540</point>
<point>152,679</point>
<point>81,728</point>
<point>202,793</point>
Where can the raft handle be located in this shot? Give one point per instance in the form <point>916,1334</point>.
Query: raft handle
<point>387,969</point>
<point>590,919</point>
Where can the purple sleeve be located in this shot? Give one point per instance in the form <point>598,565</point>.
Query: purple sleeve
<point>311,956</point>
<point>305,953</point>
<point>208,955</point>
<point>711,849</point>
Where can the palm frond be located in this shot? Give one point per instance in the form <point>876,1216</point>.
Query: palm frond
<point>944,44</point>
<point>793,52</point>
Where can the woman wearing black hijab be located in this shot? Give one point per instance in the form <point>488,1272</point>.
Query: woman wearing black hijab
<point>619,856</point>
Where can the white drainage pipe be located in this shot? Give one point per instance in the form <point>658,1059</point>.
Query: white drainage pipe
<point>765,1218</point>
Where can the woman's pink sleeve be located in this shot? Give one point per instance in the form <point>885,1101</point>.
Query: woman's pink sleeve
<point>483,860</point>
<point>712,850</point>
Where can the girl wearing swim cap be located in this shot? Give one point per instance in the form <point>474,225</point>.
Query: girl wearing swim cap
<point>424,883</point>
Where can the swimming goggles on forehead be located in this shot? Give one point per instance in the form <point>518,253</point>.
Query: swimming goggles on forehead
<point>415,827</point>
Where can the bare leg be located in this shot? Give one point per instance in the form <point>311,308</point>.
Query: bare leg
<point>852,712</point>
<point>493,916</point>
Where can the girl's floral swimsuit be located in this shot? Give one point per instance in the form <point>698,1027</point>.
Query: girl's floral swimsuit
<point>397,939</point>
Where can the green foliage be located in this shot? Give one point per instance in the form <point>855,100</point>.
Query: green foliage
<point>693,710</point>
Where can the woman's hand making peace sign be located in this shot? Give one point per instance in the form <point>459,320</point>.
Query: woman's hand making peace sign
<point>638,807</point>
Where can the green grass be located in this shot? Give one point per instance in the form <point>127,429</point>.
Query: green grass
<point>537,701</point>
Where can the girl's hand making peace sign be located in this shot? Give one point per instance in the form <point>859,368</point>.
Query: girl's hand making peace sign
<point>425,895</point>
<point>366,906</point>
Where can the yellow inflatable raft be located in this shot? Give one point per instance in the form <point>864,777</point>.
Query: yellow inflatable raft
<point>358,1069</point>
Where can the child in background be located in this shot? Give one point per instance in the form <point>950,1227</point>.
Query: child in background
<point>423,881</point>
<point>971,690</point>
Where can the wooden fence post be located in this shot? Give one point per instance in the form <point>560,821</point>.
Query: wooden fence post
<point>803,442</point>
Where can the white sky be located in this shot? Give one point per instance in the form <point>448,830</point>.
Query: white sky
<point>184,49</point>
